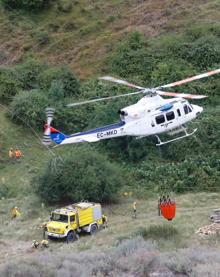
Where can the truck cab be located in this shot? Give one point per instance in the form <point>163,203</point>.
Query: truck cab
<point>71,220</point>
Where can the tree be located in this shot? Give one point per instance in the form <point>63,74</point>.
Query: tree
<point>82,174</point>
<point>65,76</point>
<point>26,4</point>
<point>56,93</point>
<point>28,73</point>
<point>9,84</point>
<point>28,108</point>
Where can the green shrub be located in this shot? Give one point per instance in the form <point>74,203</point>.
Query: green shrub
<point>156,232</point>
<point>194,173</point>
<point>63,74</point>
<point>28,73</point>
<point>28,107</point>
<point>56,93</point>
<point>9,84</point>
<point>203,52</point>
<point>82,174</point>
<point>110,19</point>
<point>71,120</point>
<point>64,6</point>
<point>130,57</point>
<point>42,38</point>
<point>69,26</point>
<point>26,4</point>
<point>171,70</point>
<point>3,191</point>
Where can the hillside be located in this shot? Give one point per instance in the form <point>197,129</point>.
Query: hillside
<point>72,36</point>
<point>53,57</point>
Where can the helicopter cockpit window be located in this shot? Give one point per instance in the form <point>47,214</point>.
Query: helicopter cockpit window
<point>160,119</point>
<point>170,116</point>
<point>186,109</point>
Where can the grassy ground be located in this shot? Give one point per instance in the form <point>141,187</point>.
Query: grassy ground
<point>90,27</point>
<point>17,175</point>
<point>193,211</point>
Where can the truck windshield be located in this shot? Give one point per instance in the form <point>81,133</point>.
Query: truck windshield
<point>59,217</point>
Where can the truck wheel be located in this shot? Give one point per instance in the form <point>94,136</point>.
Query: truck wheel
<point>93,229</point>
<point>71,237</point>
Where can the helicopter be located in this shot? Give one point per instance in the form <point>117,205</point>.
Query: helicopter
<point>152,115</point>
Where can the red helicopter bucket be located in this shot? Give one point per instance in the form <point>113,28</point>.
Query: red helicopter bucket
<point>168,209</point>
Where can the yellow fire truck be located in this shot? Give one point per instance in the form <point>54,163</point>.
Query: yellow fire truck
<point>69,221</point>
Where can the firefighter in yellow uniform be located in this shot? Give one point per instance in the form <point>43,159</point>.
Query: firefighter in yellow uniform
<point>104,221</point>
<point>14,212</point>
<point>134,210</point>
<point>35,244</point>
<point>44,243</point>
<point>11,155</point>
<point>44,228</point>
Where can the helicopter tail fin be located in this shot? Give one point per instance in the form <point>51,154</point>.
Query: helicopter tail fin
<point>52,134</point>
<point>56,136</point>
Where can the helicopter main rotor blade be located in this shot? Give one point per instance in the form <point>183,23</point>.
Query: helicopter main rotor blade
<point>197,77</point>
<point>182,95</point>
<point>101,99</point>
<point>121,82</point>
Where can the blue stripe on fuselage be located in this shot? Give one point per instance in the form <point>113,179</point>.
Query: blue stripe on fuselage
<point>100,129</point>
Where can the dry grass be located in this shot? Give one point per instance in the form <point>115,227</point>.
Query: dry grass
<point>134,257</point>
<point>192,212</point>
<point>97,25</point>
<point>17,175</point>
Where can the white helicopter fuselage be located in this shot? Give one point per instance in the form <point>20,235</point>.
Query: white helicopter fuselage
<point>149,116</point>
<point>161,116</point>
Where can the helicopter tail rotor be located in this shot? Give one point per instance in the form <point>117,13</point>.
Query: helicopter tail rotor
<point>47,127</point>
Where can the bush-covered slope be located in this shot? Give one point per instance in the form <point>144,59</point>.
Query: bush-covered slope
<point>81,33</point>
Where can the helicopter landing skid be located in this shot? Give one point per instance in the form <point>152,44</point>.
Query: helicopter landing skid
<point>181,137</point>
